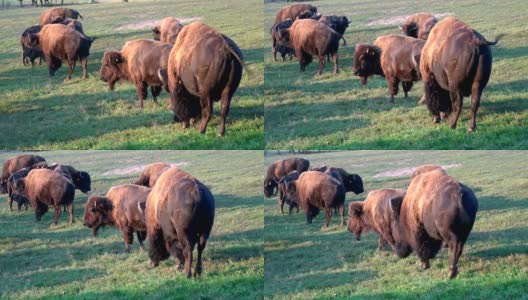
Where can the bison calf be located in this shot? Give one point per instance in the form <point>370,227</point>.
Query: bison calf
<point>395,57</point>
<point>121,208</point>
<point>14,164</point>
<point>151,173</point>
<point>282,190</point>
<point>167,31</point>
<point>139,62</point>
<point>277,46</point>
<point>30,54</point>
<point>419,25</point>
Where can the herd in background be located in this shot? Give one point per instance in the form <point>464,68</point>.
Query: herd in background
<point>452,59</point>
<point>167,206</point>
<point>434,210</point>
<point>196,64</point>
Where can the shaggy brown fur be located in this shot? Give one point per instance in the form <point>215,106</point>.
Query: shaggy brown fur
<point>139,62</point>
<point>120,207</point>
<point>30,54</point>
<point>277,46</point>
<point>294,175</point>
<point>179,215</point>
<point>204,66</point>
<point>426,168</point>
<point>43,187</point>
<point>419,25</point>
<point>456,62</point>
<point>167,31</point>
<point>51,15</point>
<point>294,12</point>
<point>437,208</point>
<point>279,169</point>
<point>374,214</point>
<point>14,164</point>
<point>395,57</point>
<point>151,173</point>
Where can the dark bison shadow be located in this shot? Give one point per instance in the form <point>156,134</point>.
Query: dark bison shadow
<point>239,202</point>
<point>500,53</point>
<point>501,203</point>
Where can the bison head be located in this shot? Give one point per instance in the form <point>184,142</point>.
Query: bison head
<point>111,68</point>
<point>283,37</point>
<point>3,186</point>
<point>366,62</point>
<point>356,225</point>
<point>31,41</point>
<point>354,183</point>
<point>270,187</point>
<point>97,213</point>
<point>410,29</point>
<point>291,195</point>
<point>82,181</point>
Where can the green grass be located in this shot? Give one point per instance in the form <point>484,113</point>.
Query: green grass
<point>37,113</point>
<point>337,112</point>
<point>38,262</point>
<point>307,262</point>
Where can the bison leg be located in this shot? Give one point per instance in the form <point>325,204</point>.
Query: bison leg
<point>393,83</point>
<point>321,65</point>
<point>407,86</point>
<point>381,243</point>
<point>188,247</point>
<point>71,67</point>
<point>141,90</point>
<point>455,251</point>
<point>225,103</point>
<point>328,211</point>
<point>201,246</point>
<point>274,51</point>
<point>207,107</point>
<point>128,237</point>
<point>281,204</point>
<point>84,64</point>
<point>155,90</point>
<point>57,215</point>
<point>141,235</point>
<point>476,93</point>
<point>342,214</point>
<point>10,202</point>
<point>309,216</point>
<point>335,60</point>
<point>70,212</point>
<point>157,250</point>
<point>456,100</point>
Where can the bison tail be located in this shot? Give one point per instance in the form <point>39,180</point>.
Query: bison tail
<point>238,58</point>
<point>80,16</point>
<point>484,42</point>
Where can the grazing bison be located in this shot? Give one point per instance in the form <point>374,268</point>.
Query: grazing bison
<point>60,42</point>
<point>151,173</point>
<point>294,175</point>
<point>309,37</point>
<point>30,54</point>
<point>43,187</point>
<point>456,62</point>
<point>419,25</point>
<point>204,66</point>
<point>167,31</point>
<point>338,23</point>
<point>426,168</point>
<point>80,179</point>
<point>11,188</point>
<point>314,190</point>
<point>374,214</point>
<point>51,15</point>
<point>281,47</point>
<point>437,208</point>
<point>14,164</point>
<point>179,214</point>
<point>279,169</point>
<point>294,12</point>
<point>139,62</point>
<point>120,207</point>
<point>395,57</point>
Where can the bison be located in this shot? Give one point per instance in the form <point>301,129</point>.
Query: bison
<point>77,25</point>
<point>426,168</point>
<point>374,214</point>
<point>436,208</point>
<point>121,208</point>
<point>419,25</point>
<point>338,23</point>
<point>30,54</point>
<point>139,62</point>
<point>294,12</point>
<point>11,188</point>
<point>456,63</point>
<point>278,170</point>
<point>51,15</point>
<point>204,66</point>
<point>43,187</point>
<point>282,48</point>
<point>80,179</point>
<point>14,164</point>
<point>151,173</point>
<point>395,57</point>
<point>309,37</point>
<point>167,31</point>
<point>294,175</point>
<point>179,214</point>
<point>314,190</point>
<point>60,42</point>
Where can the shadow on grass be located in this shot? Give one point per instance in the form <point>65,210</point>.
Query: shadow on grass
<point>233,201</point>
<point>501,203</point>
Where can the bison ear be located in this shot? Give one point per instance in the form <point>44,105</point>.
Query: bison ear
<point>395,205</point>
<point>116,58</point>
<point>155,30</point>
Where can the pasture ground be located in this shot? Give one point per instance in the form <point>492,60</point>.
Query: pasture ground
<point>337,112</point>
<point>38,113</point>
<point>307,262</point>
<point>66,261</point>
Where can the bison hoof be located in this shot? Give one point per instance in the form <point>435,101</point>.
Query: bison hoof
<point>425,265</point>
<point>453,272</point>
<point>154,264</point>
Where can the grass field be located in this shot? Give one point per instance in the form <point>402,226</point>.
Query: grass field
<point>37,262</point>
<point>337,112</point>
<point>37,113</point>
<point>307,262</point>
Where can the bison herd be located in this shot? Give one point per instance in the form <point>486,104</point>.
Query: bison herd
<point>452,59</point>
<point>167,206</point>
<point>196,64</point>
<point>434,210</point>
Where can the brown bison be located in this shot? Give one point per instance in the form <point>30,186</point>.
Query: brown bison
<point>294,12</point>
<point>395,57</point>
<point>282,191</point>
<point>338,23</point>
<point>204,66</point>
<point>419,25</point>
<point>80,179</point>
<point>43,187</point>
<point>60,42</point>
<point>456,63</point>
<point>30,54</point>
<point>167,31</point>
<point>139,62</point>
<point>278,170</point>
<point>309,37</point>
<point>282,48</point>
<point>14,164</point>
<point>374,214</point>
<point>179,214</point>
<point>314,190</point>
<point>11,188</point>
<point>426,168</point>
<point>437,208</point>
<point>120,207</point>
<point>51,15</point>
<point>151,173</point>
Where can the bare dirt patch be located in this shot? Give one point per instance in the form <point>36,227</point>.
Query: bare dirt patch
<point>151,23</point>
<point>398,20</point>
<point>138,169</point>
<point>404,172</point>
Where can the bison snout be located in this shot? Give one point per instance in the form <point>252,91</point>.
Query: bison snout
<point>355,71</point>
